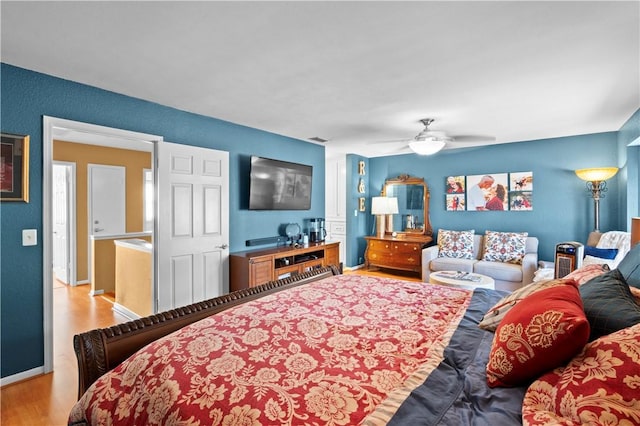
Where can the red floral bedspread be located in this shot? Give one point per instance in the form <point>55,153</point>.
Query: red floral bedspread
<point>344,350</point>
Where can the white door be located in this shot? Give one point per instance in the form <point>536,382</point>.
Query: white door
<point>193,224</point>
<point>61,221</point>
<point>107,209</point>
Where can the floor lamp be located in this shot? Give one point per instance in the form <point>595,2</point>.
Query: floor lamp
<point>596,185</point>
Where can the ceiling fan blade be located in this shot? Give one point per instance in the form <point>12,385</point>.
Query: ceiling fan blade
<point>388,141</point>
<point>472,138</point>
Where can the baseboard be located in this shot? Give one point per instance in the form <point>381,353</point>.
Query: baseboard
<point>24,375</point>
<point>96,292</point>
<point>126,312</point>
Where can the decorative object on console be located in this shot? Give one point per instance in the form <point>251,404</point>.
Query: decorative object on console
<point>381,207</point>
<point>596,185</point>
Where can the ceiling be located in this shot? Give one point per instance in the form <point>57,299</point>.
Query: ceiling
<point>353,73</point>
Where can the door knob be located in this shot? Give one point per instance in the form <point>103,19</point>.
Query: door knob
<point>223,246</point>
<point>98,229</point>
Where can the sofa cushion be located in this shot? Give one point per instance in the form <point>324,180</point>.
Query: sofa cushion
<point>455,244</point>
<point>499,270</point>
<point>450,264</point>
<point>504,246</point>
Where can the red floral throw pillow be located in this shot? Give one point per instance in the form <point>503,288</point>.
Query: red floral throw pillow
<point>540,333</point>
<point>599,386</point>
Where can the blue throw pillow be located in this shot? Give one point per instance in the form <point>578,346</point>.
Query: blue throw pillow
<point>602,253</point>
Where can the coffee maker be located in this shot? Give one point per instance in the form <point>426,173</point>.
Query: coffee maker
<point>317,233</point>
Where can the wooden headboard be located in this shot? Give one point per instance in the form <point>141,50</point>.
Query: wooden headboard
<point>99,351</point>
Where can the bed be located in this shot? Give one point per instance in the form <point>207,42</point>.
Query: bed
<point>323,348</point>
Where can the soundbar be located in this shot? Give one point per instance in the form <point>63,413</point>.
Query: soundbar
<point>267,240</point>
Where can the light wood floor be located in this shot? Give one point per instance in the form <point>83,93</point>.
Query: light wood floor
<point>47,399</point>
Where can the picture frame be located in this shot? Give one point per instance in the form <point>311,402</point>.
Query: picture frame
<point>14,167</point>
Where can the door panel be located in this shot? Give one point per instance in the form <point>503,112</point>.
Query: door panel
<point>107,195</point>
<point>61,216</point>
<point>193,227</point>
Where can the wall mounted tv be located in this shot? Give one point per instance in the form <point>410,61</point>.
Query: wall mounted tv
<point>279,185</point>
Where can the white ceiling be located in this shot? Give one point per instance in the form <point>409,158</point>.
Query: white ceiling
<point>350,72</point>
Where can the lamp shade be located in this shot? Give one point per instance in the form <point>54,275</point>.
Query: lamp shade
<point>384,205</point>
<point>597,174</point>
<point>426,147</point>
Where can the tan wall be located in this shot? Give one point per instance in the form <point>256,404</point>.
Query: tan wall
<point>82,155</point>
<point>103,275</point>
<point>133,280</point>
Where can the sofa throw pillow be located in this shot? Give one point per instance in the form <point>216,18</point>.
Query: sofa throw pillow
<point>609,304</point>
<point>585,273</point>
<point>602,253</point>
<point>497,312</point>
<point>598,386</point>
<point>540,333</point>
<point>504,246</point>
<point>455,244</point>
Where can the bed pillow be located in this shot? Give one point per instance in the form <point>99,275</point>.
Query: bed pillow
<point>540,333</point>
<point>599,386</point>
<point>504,246</point>
<point>497,312</point>
<point>455,244</point>
<point>585,273</point>
<point>609,304</point>
<point>629,267</point>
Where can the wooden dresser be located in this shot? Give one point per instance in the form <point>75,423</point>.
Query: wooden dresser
<point>255,267</point>
<point>403,252</point>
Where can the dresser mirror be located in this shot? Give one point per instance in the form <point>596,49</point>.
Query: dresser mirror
<point>413,206</point>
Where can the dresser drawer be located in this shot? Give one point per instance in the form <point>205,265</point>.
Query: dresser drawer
<point>407,248</point>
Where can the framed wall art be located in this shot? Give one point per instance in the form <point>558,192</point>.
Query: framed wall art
<point>521,191</point>
<point>487,192</point>
<point>14,167</point>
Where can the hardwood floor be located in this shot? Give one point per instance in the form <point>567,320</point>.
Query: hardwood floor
<point>47,399</point>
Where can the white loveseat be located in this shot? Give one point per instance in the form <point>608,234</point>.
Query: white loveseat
<point>507,276</point>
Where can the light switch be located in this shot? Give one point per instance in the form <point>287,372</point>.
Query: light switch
<point>29,237</point>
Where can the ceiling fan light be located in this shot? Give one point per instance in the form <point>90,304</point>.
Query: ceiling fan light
<point>426,147</point>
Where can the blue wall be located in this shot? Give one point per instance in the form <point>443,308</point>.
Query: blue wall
<point>562,208</point>
<point>27,96</point>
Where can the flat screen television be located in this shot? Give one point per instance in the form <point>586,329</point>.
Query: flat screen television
<point>279,185</point>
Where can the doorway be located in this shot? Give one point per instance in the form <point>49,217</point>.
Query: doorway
<point>83,133</point>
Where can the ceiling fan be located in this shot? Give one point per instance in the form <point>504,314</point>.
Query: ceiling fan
<point>429,142</point>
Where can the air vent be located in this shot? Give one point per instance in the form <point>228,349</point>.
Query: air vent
<point>318,139</point>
